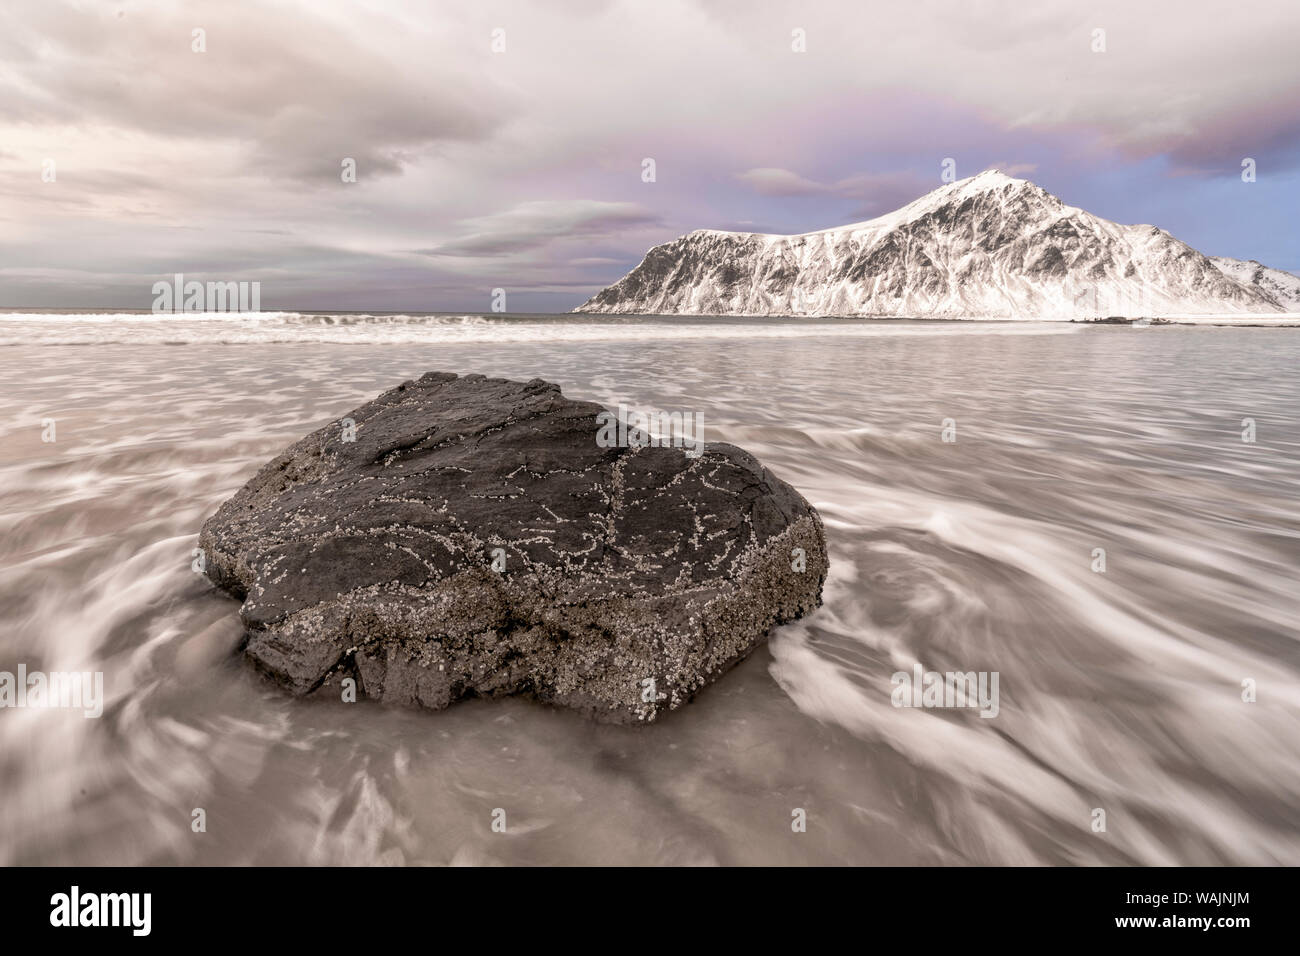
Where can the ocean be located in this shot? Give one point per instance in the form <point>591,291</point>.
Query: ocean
<point>1104,516</point>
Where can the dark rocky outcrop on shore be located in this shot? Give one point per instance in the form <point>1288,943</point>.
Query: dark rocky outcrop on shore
<point>632,577</point>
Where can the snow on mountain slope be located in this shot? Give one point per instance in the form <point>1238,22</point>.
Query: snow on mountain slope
<point>1282,287</point>
<point>989,246</point>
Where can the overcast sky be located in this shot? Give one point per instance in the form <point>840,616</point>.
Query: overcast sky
<point>522,169</point>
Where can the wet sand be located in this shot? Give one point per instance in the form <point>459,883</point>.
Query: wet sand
<point>1119,690</point>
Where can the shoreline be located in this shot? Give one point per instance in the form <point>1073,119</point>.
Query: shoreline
<point>1235,320</point>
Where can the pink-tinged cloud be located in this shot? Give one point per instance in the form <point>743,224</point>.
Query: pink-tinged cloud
<point>524,167</point>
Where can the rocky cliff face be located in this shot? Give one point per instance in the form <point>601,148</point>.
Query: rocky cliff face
<point>985,247</point>
<point>1281,287</point>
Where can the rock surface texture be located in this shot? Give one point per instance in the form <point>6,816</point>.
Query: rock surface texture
<point>632,576</point>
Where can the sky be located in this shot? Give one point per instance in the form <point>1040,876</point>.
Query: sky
<point>503,145</point>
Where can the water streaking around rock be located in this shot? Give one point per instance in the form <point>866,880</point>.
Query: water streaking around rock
<point>1119,690</point>
<point>470,537</point>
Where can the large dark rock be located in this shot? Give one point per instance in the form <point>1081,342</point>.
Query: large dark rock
<point>373,558</point>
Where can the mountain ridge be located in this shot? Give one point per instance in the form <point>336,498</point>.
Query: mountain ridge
<point>988,246</point>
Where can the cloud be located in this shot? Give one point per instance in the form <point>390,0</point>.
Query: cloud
<point>769,181</point>
<point>531,225</point>
<point>295,88</point>
<point>877,192</point>
<point>524,167</point>
<point>1021,170</point>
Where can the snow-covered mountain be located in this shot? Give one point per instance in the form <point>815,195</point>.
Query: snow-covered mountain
<point>989,246</point>
<point>1282,287</point>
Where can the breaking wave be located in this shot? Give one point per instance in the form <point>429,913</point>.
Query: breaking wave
<point>232,328</point>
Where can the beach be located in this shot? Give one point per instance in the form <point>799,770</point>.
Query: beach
<point>1121,688</point>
